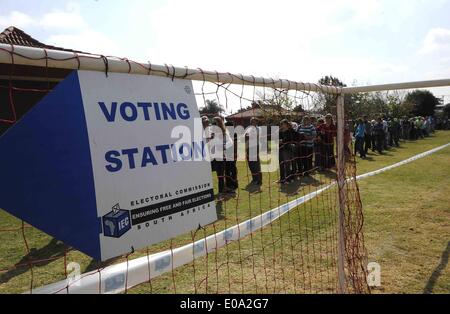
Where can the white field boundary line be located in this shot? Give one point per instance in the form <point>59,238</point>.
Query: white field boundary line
<point>112,279</point>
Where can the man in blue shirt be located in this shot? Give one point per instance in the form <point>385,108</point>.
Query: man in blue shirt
<point>359,136</point>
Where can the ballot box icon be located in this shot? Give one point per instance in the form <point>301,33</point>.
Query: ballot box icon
<point>117,222</point>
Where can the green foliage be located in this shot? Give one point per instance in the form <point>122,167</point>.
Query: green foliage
<point>416,103</point>
<point>423,102</point>
<point>326,103</point>
<point>276,106</point>
<point>211,108</point>
<point>366,104</point>
<point>447,110</point>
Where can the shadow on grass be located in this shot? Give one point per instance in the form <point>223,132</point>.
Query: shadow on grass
<point>438,271</point>
<point>293,187</point>
<point>96,265</point>
<point>367,158</point>
<point>328,174</point>
<point>36,258</point>
<point>252,188</point>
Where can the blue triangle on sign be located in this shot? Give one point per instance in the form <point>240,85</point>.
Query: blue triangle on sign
<point>46,170</point>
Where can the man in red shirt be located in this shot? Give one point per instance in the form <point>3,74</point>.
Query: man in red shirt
<point>327,132</point>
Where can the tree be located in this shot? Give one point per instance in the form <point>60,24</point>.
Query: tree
<point>276,105</point>
<point>211,108</point>
<point>447,110</point>
<point>397,107</point>
<point>327,102</point>
<point>423,102</point>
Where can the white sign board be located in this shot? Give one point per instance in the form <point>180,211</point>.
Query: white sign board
<point>163,183</point>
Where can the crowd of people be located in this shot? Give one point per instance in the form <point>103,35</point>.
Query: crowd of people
<point>308,146</point>
<point>384,132</point>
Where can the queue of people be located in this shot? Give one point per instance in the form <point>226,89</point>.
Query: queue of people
<point>384,132</point>
<point>308,145</point>
<point>305,147</point>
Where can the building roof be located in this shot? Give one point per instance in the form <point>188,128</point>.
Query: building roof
<point>15,36</point>
<point>258,112</point>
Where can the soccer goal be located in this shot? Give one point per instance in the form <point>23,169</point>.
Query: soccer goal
<point>296,227</point>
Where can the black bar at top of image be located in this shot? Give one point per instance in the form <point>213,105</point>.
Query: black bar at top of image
<point>198,199</point>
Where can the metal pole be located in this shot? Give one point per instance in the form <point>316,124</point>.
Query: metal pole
<point>396,86</point>
<point>342,288</point>
<point>22,55</point>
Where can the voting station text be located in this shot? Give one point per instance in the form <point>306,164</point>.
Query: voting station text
<point>143,157</point>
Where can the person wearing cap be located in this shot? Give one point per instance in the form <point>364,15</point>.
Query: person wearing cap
<point>252,151</point>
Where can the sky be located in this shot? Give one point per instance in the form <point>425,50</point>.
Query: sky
<point>360,42</point>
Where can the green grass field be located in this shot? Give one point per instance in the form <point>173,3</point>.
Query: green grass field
<point>407,231</point>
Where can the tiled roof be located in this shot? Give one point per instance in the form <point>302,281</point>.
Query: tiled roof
<point>258,112</point>
<point>14,36</point>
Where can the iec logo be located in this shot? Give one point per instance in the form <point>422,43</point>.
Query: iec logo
<point>162,263</point>
<point>251,225</point>
<point>115,283</point>
<point>228,235</point>
<point>199,248</point>
<point>269,216</point>
<point>117,222</point>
